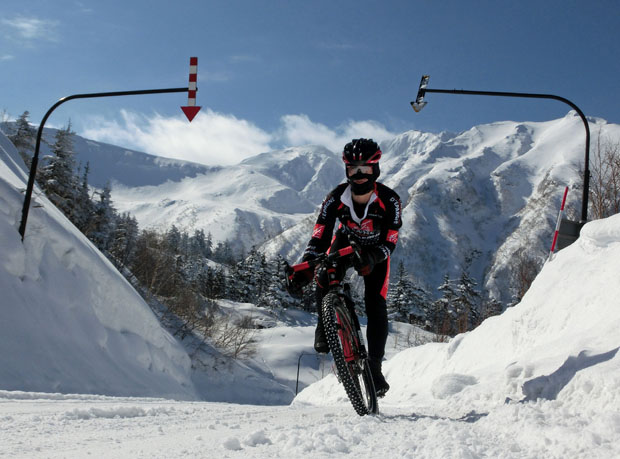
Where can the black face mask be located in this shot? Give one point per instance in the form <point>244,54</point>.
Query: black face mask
<point>361,188</point>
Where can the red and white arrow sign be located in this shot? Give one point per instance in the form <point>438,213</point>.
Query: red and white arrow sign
<point>191,109</point>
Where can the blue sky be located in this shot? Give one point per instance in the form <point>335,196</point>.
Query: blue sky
<point>279,73</point>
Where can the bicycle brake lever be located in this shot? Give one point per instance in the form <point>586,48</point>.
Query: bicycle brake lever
<point>357,251</point>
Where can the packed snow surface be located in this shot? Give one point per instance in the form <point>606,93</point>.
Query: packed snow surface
<point>541,380</point>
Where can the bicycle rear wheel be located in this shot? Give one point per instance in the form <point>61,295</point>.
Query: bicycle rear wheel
<point>344,343</point>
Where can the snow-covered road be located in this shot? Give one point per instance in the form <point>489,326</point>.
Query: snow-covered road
<point>40,425</point>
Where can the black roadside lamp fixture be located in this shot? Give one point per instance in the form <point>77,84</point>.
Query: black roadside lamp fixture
<point>569,230</point>
<point>190,110</point>
<point>35,158</point>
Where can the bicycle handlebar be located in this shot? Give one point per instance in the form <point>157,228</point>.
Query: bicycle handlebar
<point>310,263</point>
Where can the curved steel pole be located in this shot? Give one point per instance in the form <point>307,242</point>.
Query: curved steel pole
<point>298,366</point>
<point>419,103</point>
<point>586,178</point>
<point>35,158</point>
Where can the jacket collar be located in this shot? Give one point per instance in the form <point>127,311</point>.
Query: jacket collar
<point>347,200</point>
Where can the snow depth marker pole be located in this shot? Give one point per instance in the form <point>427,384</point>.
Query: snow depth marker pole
<point>298,366</point>
<point>557,225</point>
<point>419,104</point>
<point>191,109</point>
<point>35,158</point>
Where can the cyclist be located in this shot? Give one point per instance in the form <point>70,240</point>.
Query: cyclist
<point>369,215</point>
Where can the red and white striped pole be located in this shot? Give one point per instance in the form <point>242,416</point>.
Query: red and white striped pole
<point>191,109</point>
<point>557,225</point>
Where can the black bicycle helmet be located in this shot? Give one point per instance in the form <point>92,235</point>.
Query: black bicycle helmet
<point>362,152</point>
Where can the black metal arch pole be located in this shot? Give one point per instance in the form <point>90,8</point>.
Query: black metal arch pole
<point>586,178</point>
<point>35,158</point>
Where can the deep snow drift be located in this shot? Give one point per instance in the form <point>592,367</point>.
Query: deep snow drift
<point>70,323</point>
<point>559,343</point>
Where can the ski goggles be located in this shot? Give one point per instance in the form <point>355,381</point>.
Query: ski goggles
<point>353,169</point>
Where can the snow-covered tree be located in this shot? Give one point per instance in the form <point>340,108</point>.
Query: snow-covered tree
<point>57,177</point>
<point>104,220</point>
<point>199,245</point>
<point>274,294</point>
<point>84,205</point>
<point>24,137</point>
<point>467,303</point>
<point>251,276</point>
<point>223,253</point>
<point>443,310</point>
<point>490,307</point>
<point>173,239</point>
<point>124,239</point>
<point>407,301</point>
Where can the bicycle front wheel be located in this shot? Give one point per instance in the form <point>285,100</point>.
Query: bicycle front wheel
<point>344,344</point>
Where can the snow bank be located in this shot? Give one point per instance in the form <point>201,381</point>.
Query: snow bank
<point>559,345</point>
<point>68,321</point>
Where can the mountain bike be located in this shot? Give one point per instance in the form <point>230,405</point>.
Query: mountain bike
<point>343,332</point>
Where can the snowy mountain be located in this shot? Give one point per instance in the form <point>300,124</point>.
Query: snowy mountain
<point>117,165</point>
<point>470,200</point>
<point>247,203</point>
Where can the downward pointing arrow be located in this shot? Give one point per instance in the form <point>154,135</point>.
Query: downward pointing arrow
<point>190,111</point>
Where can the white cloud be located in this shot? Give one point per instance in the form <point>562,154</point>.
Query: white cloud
<point>300,130</point>
<point>219,139</point>
<point>211,138</point>
<point>30,29</point>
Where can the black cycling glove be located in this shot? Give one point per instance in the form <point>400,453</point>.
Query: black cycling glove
<point>368,257</point>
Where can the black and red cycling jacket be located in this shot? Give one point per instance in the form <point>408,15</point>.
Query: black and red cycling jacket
<point>377,227</point>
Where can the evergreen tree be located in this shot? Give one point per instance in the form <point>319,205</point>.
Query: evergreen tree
<point>220,283</point>
<point>209,246</point>
<point>184,245</point>
<point>235,288</point>
<point>199,245</point>
<point>466,303</point>
<point>398,297</point>
<point>173,239</point>
<point>224,254</point>
<point>490,307</point>
<point>85,207</point>
<point>443,310</point>
<point>274,294</point>
<point>57,177</point>
<point>24,137</point>
<point>124,239</point>
<point>206,283</point>
<point>251,275</point>
<point>407,301</point>
<point>103,220</point>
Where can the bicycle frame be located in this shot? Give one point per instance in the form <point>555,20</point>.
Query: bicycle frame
<point>350,356</point>
<point>330,260</point>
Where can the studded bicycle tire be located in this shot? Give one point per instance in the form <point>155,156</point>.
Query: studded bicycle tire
<point>354,375</point>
